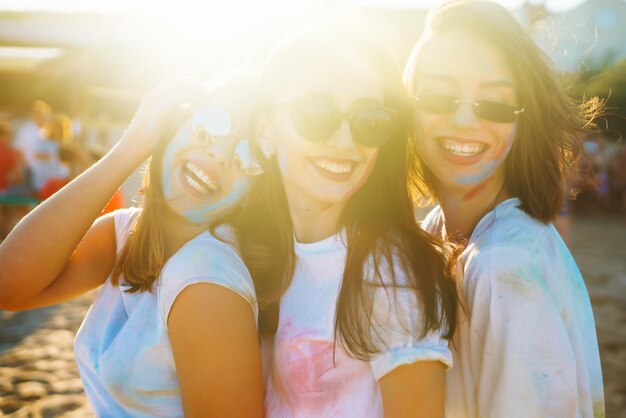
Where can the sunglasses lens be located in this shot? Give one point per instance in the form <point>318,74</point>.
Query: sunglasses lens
<point>372,126</point>
<point>209,122</point>
<point>315,119</point>
<point>437,103</point>
<point>496,112</point>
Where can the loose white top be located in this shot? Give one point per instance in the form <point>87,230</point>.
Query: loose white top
<point>528,346</point>
<point>303,380</point>
<point>122,348</point>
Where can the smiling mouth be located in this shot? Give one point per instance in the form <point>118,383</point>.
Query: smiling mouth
<point>465,149</point>
<point>198,179</point>
<point>334,167</point>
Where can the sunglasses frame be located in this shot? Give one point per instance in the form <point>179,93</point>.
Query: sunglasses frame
<point>242,154</point>
<point>350,115</point>
<point>475,107</point>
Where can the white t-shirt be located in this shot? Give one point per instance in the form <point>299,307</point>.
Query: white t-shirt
<point>122,348</point>
<point>528,347</point>
<point>303,381</point>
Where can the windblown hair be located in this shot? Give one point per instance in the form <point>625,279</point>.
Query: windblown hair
<point>549,132</point>
<point>145,252</point>
<point>381,230</point>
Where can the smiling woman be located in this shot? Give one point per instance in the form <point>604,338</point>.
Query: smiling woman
<point>358,299</point>
<point>495,133</point>
<point>154,343</point>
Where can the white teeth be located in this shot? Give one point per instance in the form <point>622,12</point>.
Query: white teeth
<point>336,168</point>
<point>200,181</point>
<point>464,150</point>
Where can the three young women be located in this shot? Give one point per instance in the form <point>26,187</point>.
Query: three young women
<point>495,133</point>
<point>173,329</point>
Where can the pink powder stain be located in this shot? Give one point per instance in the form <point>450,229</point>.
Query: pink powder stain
<point>472,193</point>
<point>304,377</point>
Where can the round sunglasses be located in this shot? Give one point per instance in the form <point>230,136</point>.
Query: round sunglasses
<point>484,109</point>
<point>211,124</point>
<point>316,118</point>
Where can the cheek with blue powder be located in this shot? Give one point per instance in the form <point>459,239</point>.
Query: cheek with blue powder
<point>204,213</point>
<point>493,163</point>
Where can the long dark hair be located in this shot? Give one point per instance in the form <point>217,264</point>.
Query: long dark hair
<point>549,132</point>
<point>381,230</point>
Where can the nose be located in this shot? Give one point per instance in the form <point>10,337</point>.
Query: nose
<point>221,152</point>
<point>464,116</point>
<point>342,137</point>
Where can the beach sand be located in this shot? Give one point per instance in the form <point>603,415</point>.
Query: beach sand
<point>38,375</point>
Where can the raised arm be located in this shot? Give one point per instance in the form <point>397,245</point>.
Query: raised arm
<point>55,253</point>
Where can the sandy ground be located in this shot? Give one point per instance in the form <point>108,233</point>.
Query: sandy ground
<point>38,376</point>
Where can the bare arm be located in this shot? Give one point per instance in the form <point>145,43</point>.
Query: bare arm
<point>414,390</point>
<point>217,353</point>
<point>42,261</point>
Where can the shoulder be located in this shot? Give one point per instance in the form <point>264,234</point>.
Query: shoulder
<point>123,221</point>
<point>125,215</point>
<point>205,255</point>
<point>207,260</point>
<point>507,252</point>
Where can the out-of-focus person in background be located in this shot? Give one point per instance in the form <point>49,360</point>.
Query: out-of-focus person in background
<point>617,180</point>
<point>495,132</point>
<point>31,133</point>
<point>11,175</point>
<point>78,157</point>
<point>10,159</point>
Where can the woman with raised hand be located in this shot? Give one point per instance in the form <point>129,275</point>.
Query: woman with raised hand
<point>495,133</point>
<point>173,330</point>
<point>355,294</point>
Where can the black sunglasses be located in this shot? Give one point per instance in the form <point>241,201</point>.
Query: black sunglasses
<point>484,109</point>
<point>315,118</point>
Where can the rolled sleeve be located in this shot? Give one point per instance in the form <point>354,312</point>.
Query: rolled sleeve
<point>397,328</point>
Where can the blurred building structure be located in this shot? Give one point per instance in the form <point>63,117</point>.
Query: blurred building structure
<point>592,35</point>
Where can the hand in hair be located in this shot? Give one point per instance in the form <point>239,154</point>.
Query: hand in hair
<point>158,109</point>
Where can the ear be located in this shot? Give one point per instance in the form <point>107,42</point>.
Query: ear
<point>265,137</point>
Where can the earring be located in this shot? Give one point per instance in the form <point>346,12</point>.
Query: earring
<point>266,147</point>
<point>248,164</point>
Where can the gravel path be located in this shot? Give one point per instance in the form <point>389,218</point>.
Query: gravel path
<point>39,379</point>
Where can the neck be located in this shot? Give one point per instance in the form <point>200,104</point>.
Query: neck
<point>312,220</point>
<point>178,230</point>
<point>463,208</point>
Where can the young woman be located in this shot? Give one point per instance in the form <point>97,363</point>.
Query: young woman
<point>173,329</point>
<point>495,134</point>
<point>365,304</point>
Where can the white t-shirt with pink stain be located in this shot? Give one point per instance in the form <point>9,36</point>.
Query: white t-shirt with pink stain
<point>304,381</point>
<point>528,347</point>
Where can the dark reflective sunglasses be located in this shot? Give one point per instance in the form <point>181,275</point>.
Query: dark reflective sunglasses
<point>316,119</point>
<point>484,109</point>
